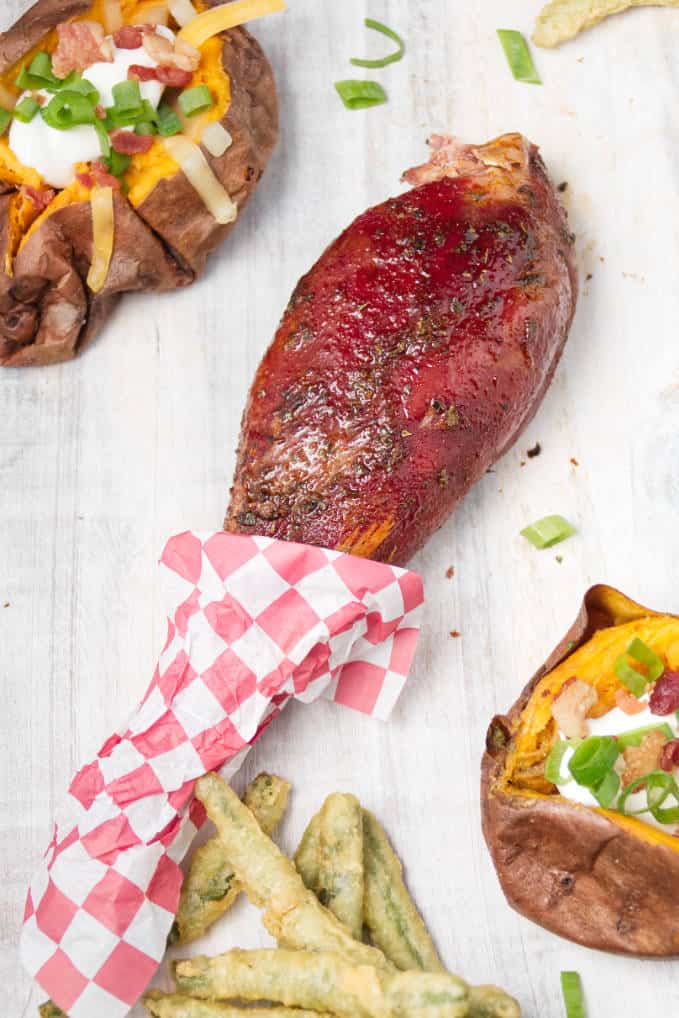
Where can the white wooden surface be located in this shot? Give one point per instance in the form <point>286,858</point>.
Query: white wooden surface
<point>102,459</point>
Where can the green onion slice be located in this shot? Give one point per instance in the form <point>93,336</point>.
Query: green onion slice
<point>593,759</point>
<point>126,96</point>
<point>377,26</point>
<point>102,133</point>
<point>548,531</point>
<point>571,988</point>
<point>195,100</point>
<point>554,761</point>
<point>26,109</point>
<point>168,121</point>
<point>68,109</point>
<point>606,792</point>
<point>118,163</point>
<point>39,74</point>
<point>518,56</point>
<point>360,95</point>
<point>5,119</point>
<point>635,681</point>
<point>635,735</point>
<point>659,787</point>
<point>145,127</point>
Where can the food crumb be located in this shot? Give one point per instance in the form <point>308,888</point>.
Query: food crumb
<point>455,633</point>
<point>588,277</point>
<point>535,451</point>
<point>450,572</point>
<point>6,604</point>
<point>574,461</point>
<point>522,463</point>
<point>559,558</point>
<point>563,186</point>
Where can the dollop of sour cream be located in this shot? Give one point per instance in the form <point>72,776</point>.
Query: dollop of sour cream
<point>54,153</point>
<point>616,722</point>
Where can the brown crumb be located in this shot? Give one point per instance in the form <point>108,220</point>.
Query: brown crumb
<point>522,463</point>
<point>602,259</point>
<point>588,277</point>
<point>574,461</point>
<point>642,759</point>
<point>6,604</point>
<point>559,558</point>
<point>455,633</point>
<point>534,451</point>
<point>563,186</point>
<point>450,572</point>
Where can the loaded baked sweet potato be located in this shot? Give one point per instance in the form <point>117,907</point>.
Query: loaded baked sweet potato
<point>580,798</point>
<point>410,357</point>
<point>133,132</point>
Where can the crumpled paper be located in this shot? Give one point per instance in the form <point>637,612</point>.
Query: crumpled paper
<point>252,623</point>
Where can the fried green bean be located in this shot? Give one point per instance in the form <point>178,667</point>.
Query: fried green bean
<point>341,860</point>
<point>50,1010</point>
<point>492,1002</point>
<point>292,914</point>
<point>175,1005</point>
<point>307,856</point>
<point>210,887</point>
<point>323,981</point>
<point>395,925</point>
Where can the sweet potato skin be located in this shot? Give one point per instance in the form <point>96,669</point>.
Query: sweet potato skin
<point>47,313</point>
<point>409,358</point>
<point>569,868</point>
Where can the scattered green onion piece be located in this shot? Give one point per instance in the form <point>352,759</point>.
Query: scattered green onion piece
<point>635,735</point>
<point>41,67</point>
<point>645,656</point>
<point>360,95</point>
<point>74,83</point>
<point>68,109</point>
<point>605,793</point>
<point>145,127</point>
<point>593,759</point>
<point>571,988</point>
<point>126,96</point>
<point>26,109</point>
<point>195,100</point>
<point>168,121</point>
<point>629,676</point>
<point>659,786</point>
<point>5,119</point>
<point>548,531</point>
<point>553,762</point>
<point>102,133</point>
<point>383,61</point>
<point>144,113</point>
<point>118,163</point>
<point>518,56</point>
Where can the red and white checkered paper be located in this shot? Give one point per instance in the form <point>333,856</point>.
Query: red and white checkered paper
<point>252,623</point>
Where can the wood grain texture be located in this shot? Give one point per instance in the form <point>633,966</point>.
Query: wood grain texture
<point>102,459</point>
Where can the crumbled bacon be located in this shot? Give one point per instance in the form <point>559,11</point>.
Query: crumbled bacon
<point>40,198</point>
<point>628,703</point>
<point>664,698</point>
<point>138,72</point>
<point>39,98</point>
<point>670,755</point>
<point>80,44</point>
<point>98,176</point>
<point>646,757</point>
<point>128,143</point>
<point>173,77</point>
<point>129,37</point>
<point>100,111</point>
<point>572,706</point>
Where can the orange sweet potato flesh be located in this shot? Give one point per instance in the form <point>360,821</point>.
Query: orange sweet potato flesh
<point>163,233</point>
<point>410,357</point>
<point>588,874</point>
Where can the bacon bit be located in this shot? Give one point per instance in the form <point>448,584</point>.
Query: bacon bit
<point>628,703</point>
<point>455,633</point>
<point>100,111</point>
<point>41,199</point>
<point>128,143</point>
<point>99,176</point>
<point>173,77</point>
<point>39,98</point>
<point>574,461</point>
<point>639,760</point>
<point>670,755</point>
<point>450,572</point>
<point>129,37</point>
<point>86,179</point>
<point>138,72</point>
<point>572,706</point>
<point>664,698</point>
<point>80,44</point>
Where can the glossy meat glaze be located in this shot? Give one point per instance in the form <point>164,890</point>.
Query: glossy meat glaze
<point>410,357</point>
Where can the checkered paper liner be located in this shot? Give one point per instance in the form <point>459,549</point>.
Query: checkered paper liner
<point>252,623</point>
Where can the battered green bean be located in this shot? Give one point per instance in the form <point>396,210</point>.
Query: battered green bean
<point>492,1002</point>
<point>293,915</point>
<point>50,1010</point>
<point>174,1005</point>
<point>307,856</point>
<point>341,860</point>
<point>323,981</point>
<point>395,925</point>
<point>210,887</point>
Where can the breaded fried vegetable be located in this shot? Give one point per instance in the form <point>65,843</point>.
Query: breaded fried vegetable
<point>307,856</point>
<point>210,887</point>
<point>293,915</point>
<point>323,982</point>
<point>561,20</point>
<point>175,1005</point>
<point>341,860</point>
<point>395,925</point>
<point>491,1002</point>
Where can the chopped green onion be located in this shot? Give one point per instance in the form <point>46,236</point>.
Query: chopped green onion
<point>571,988</point>
<point>607,790</point>
<point>553,762</point>
<point>26,109</point>
<point>102,133</point>
<point>645,656</point>
<point>143,113</point>
<point>74,83</point>
<point>68,109</point>
<point>5,119</point>
<point>195,100</point>
<point>118,163</point>
<point>635,735</point>
<point>38,75</point>
<point>593,759</point>
<point>383,61</point>
<point>168,121</point>
<point>360,95</point>
<point>145,127</point>
<point>126,96</point>
<point>629,676</point>
<point>659,786</point>
<point>548,531</point>
<point>518,56</point>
